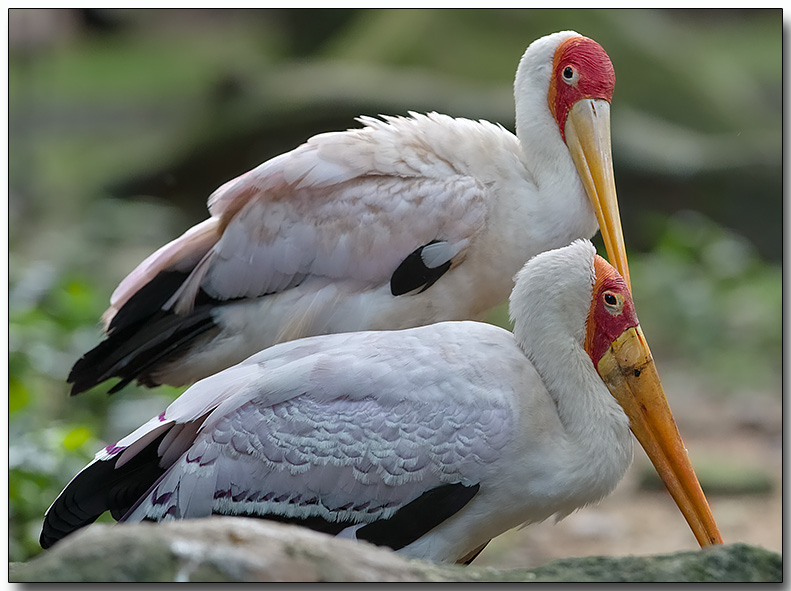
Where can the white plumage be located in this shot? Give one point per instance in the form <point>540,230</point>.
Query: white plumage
<point>487,429</point>
<point>403,222</point>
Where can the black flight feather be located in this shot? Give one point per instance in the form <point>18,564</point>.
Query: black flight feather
<point>413,273</point>
<point>409,523</point>
<point>98,488</point>
<point>141,337</point>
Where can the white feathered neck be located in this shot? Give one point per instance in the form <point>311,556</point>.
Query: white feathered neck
<point>549,308</point>
<point>550,300</point>
<point>534,120</point>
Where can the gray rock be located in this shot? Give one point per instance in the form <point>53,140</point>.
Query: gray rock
<point>248,550</point>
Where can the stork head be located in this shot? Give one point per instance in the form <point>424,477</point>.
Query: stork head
<point>616,345</point>
<point>566,82</point>
<point>581,71</point>
<point>570,298</point>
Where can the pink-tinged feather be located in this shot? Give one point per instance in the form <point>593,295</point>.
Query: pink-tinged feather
<point>135,446</point>
<point>179,254</point>
<point>183,299</point>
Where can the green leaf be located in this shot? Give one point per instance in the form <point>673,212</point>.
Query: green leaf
<point>76,438</point>
<point>18,395</point>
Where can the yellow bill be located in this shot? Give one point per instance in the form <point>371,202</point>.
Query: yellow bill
<point>628,370</point>
<point>587,135</point>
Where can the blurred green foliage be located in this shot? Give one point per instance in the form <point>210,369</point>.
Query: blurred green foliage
<point>48,442</point>
<point>707,301</point>
<point>697,119</point>
<point>51,437</point>
<point>708,304</point>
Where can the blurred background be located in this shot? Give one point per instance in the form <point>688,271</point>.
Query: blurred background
<point>122,122</point>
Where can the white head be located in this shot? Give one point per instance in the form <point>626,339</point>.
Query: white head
<point>551,299</point>
<point>555,73</point>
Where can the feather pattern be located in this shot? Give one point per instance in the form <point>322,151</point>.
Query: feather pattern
<point>346,206</point>
<point>354,434</point>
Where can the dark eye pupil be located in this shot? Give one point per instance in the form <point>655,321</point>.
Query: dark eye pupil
<point>610,299</point>
<point>568,72</point>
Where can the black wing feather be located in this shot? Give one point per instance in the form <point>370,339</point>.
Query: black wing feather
<point>98,488</point>
<point>148,300</point>
<point>135,351</point>
<point>410,522</point>
<point>418,517</point>
<point>142,336</point>
<point>102,487</point>
<point>413,273</point>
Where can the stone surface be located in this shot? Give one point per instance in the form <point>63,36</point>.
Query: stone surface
<point>248,550</point>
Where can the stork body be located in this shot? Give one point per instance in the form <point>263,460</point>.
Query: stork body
<point>430,440</point>
<point>404,222</point>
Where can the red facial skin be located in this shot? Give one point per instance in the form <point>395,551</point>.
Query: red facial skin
<point>594,77</point>
<point>606,322</point>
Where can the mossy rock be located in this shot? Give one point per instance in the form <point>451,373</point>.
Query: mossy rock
<point>247,550</point>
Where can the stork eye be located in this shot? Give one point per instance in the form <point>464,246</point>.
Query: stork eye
<point>570,75</point>
<point>613,302</point>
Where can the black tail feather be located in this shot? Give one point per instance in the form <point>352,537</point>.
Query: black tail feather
<point>141,336</point>
<point>98,488</point>
<point>148,300</point>
<point>136,351</point>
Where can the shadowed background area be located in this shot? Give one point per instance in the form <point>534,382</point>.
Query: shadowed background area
<point>122,122</point>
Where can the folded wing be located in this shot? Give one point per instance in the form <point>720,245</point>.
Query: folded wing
<point>343,443</point>
<point>360,210</point>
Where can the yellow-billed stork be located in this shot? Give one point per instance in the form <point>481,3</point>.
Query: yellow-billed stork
<point>430,440</point>
<point>403,222</point>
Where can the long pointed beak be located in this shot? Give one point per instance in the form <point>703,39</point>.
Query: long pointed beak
<point>588,139</point>
<point>628,370</point>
